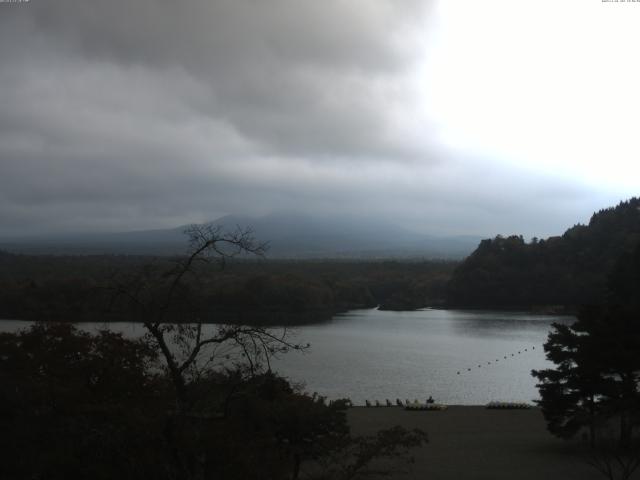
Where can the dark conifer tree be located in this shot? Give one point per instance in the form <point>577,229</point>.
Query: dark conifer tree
<point>570,393</point>
<point>597,360</point>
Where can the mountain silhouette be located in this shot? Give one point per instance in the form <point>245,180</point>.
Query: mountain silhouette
<point>289,235</point>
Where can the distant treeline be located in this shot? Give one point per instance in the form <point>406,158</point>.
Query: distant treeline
<point>507,272</point>
<point>81,288</point>
<point>565,271</point>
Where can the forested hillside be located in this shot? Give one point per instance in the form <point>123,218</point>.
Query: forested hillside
<point>79,288</point>
<point>566,271</point>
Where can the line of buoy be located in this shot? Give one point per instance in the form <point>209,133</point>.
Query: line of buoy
<point>497,360</point>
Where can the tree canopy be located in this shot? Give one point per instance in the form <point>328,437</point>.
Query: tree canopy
<point>182,402</point>
<point>597,372</point>
<point>570,270</point>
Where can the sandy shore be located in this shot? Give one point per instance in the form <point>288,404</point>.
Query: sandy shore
<point>475,443</point>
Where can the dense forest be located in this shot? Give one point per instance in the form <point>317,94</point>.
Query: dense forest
<point>79,288</point>
<point>565,271</point>
<point>558,273</point>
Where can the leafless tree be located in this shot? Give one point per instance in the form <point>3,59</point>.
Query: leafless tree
<point>192,348</point>
<point>161,298</point>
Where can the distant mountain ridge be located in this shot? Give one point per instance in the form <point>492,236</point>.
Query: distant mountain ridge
<point>288,236</point>
<point>569,270</point>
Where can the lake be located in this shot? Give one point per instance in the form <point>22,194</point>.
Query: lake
<point>457,356</point>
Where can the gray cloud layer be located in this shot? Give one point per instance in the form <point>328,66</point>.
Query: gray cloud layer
<point>118,115</point>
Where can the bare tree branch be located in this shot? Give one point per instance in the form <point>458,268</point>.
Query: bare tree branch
<point>156,295</point>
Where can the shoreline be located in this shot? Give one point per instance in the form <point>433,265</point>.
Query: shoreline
<point>316,317</point>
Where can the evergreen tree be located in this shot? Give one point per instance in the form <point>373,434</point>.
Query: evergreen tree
<point>570,393</point>
<point>597,360</point>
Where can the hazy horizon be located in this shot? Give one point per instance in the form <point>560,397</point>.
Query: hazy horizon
<point>447,118</point>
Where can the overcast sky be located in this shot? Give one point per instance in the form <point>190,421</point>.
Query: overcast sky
<point>451,116</point>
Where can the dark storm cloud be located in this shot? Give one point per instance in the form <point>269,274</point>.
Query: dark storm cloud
<point>111,105</point>
<point>120,115</point>
<point>295,76</point>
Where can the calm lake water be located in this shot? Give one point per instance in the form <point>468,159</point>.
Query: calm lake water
<point>372,354</point>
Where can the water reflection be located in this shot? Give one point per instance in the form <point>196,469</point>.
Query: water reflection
<point>500,324</point>
<point>458,356</point>
<point>371,354</point>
